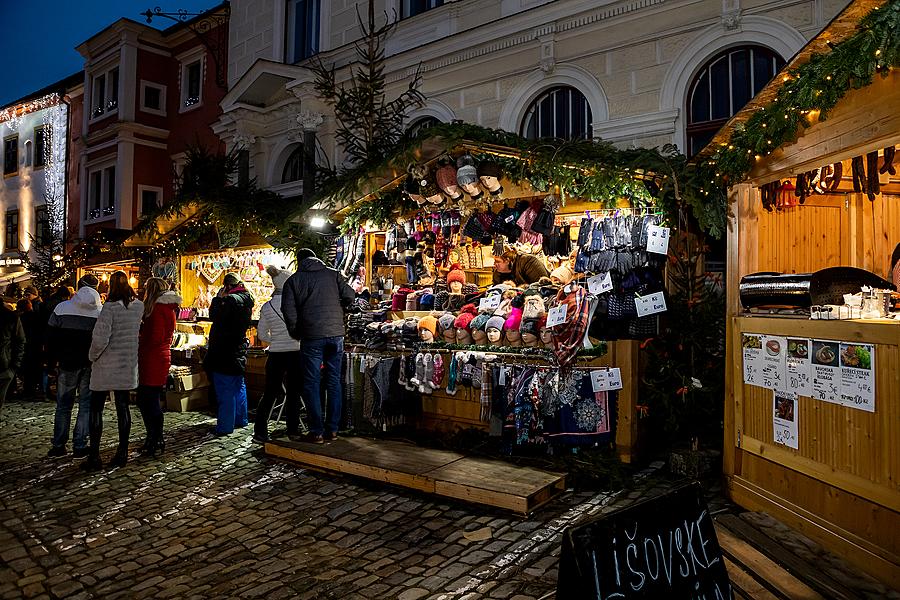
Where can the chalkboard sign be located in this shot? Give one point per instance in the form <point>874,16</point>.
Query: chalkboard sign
<point>664,547</point>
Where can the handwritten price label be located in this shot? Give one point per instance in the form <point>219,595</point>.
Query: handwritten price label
<point>600,283</point>
<point>606,380</point>
<point>489,302</point>
<point>650,304</point>
<point>658,239</point>
<point>556,315</point>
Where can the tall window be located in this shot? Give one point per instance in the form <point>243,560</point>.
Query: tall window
<point>420,125</point>
<point>411,8</point>
<point>560,112</point>
<point>12,230</point>
<point>293,168</point>
<point>41,145</point>
<point>722,87</point>
<point>11,155</point>
<point>101,193</point>
<point>302,29</point>
<point>191,83</point>
<point>42,232</point>
<point>105,92</point>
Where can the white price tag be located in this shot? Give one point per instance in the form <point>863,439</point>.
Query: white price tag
<point>650,304</point>
<point>489,302</point>
<point>189,352</point>
<point>556,315</point>
<point>658,239</point>
<point>603,380</point>
<point>502,378</point>
<point>362,366</point>
<point>600,283</point>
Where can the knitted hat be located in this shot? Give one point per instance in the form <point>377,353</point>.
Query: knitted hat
<point>496,323</point>
<point>398,300</point>
<point>514,319</point>
<point>445,177</point>
<point>489,173</point>
<point>563,273</point>
<point>467,175</point>
<point>456,274</point>
<point>446,320</point>
<point>480,322</point>
<point>464,320</point>
<point>534,305</point>
<point>428,322</point>
<point>279,276</point>
<point>426,301</point>
<point>532,326</point>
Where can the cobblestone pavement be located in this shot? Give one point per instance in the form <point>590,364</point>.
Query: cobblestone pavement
<point>216,518</point>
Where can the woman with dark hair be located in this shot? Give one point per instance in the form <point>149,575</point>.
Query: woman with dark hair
<point>154,359</point>
<point>32,365</point>
<point>114,354</point>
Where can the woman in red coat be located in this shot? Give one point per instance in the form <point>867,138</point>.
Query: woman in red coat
<point>154,358</point>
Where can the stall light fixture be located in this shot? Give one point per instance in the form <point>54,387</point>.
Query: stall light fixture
<point>317,222</point>
<point>132,280</point>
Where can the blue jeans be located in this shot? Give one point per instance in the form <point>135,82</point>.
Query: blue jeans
<point>68,385</point>
<point>231,393</point>
<point>313,355</point>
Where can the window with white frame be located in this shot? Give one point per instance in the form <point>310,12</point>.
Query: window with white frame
<point>105,93</point>
<point>303,17</point>
<point>191,82</point>
<point>153,98</point>
<point>560,112</point>
<point>12,230</point>
<point>411,8</point>
<point>41,145</point>
<point>10,156</point>
<point>150,199</point>
<point>101,193</point>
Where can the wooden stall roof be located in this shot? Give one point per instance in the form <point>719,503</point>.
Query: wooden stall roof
<point>166,227</point>
<point>841,27</point>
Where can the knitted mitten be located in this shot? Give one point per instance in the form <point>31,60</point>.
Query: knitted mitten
<point>465,370</point>
<point>425,381</point>
<point>437,376</point>
<point>451,375</point>
<point>402,380</point>
<point>477,370</point>
<point>420,371</point>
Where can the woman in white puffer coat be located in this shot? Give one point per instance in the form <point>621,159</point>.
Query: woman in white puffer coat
<point>282,364</point>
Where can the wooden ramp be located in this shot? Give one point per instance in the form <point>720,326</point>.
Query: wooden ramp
<point>760,568</point>
<point>440,472</point>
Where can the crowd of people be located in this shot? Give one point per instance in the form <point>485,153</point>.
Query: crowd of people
<point>121,346</point>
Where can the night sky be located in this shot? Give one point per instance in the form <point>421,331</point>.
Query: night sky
<point>38,37</point>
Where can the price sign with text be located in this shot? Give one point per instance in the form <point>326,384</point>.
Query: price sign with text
<point>600,283</point>
<point>489,302</point>
<point>603,380</point>
<point>650,304</point>
<point>658,239</point>
<point>556,315</point>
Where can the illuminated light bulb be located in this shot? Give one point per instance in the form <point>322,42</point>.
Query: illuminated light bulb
<point>317,222</point>
<point>877,52</point>
<point>132,280</point>
<point>104,277</point>
<point>828,77</point>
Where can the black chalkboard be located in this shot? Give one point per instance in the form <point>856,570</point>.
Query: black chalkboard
<point>664,547</point>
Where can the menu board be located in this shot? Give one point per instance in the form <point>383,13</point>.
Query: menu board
<point>829,370</point>
<point>784,419</point>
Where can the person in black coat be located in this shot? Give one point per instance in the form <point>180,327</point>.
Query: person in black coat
<point>313,303</point>
<point>226,356</point>
<point>12,348</point>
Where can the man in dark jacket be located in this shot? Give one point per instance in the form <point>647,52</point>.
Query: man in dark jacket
<point>12,348</point>
<point>521,269</point>
<point>313,303</point>
<point>69,332</point>
<point>226,355</point>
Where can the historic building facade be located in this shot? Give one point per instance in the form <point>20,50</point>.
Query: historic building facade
<point>634,72</point>
<point>148,94</point>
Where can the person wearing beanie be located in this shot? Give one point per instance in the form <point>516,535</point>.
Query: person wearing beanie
<point>427,328</point>
<point>494,329</point>
<point>454,298</point>
<point>226,355</point>
<point>463,324</point>
<point>562,275</point>
<point>445,324</point>
<point>467,176</point>
<point>281,364</point>
<point>69,335</point>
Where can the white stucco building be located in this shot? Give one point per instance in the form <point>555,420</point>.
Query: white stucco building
<point>634,72</point>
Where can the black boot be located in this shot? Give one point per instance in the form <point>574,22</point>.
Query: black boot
<point>120,459</point>
<point>93,463</point>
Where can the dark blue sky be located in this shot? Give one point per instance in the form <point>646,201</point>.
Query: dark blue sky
<point>38,37</point>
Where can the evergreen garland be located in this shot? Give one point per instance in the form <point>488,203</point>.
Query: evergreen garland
<point>807,94</point>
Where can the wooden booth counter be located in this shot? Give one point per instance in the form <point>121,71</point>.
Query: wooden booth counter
<point>842,485</point>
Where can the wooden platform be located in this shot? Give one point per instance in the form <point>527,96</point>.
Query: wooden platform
<point>440,472</point>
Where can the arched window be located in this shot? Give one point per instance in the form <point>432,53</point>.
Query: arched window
<point>420,125</point>
<point>560,112</point>
<point>723,86</point>
<point>293,168</point>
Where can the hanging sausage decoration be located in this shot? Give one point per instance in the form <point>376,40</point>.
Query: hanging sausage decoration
<point>888,166</point>
<point>873,184</point>
<point>859,174</point>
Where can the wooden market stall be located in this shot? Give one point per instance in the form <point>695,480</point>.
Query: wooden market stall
<point>841,485</point>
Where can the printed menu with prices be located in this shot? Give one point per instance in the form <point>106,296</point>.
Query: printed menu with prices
<point>826,371</point>
<point>751,344</point>
<point>774,371</point>
<point>858,376</point>
<point>799,367</point>
<point>784,419</point>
